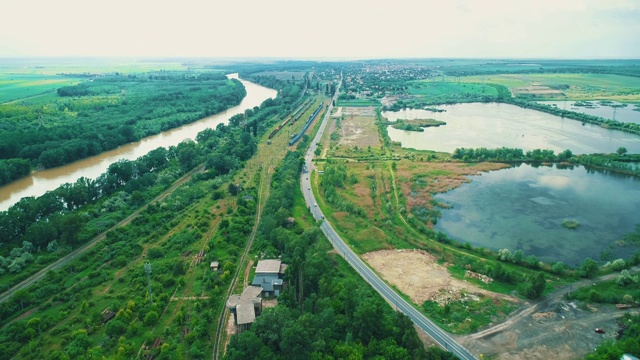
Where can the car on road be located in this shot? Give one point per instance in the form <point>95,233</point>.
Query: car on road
<point>315,204</point>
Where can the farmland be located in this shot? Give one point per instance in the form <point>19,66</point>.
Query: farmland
<point>358,102</point>
<point>570,86</point>
<point>435,88</point>
<point>20,86</point>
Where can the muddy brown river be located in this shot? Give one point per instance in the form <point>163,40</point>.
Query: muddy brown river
<point>39,182</point>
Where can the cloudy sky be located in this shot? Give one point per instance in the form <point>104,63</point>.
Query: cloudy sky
<point>325,28</point>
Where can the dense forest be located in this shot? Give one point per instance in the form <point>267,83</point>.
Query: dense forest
<point>103,113</point>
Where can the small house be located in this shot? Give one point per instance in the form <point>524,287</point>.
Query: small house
<point>269,274</point>
<point>214,266</point>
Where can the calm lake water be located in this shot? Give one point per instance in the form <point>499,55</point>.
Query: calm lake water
<point>524,207</point>
<point>40,182</point>
<point>624,114</point>
<point>493,125</point>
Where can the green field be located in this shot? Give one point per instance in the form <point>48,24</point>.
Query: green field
<point>440,88</point>
<point>574,86</point>
<point>358,102</point>
<point>22,78</point>
<point>20,86</point>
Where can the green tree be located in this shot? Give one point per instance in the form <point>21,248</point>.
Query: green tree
<point>23,297</point>
<point>589,268</point>
<point>558,267</point>
<point>621,150</point>
<point>151,318</point>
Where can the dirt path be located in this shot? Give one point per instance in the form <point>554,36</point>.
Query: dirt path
<point>79,251</point>
<point>552,298</point>
<point>246,272</point>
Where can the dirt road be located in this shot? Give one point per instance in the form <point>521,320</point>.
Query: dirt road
<point>79,251</point>
<point>551,328</point>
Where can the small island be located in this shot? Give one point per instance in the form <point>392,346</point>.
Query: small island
<point>570,224</point>
<point>416,124</point>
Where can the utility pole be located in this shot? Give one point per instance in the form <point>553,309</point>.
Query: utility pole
<point>147,269</point>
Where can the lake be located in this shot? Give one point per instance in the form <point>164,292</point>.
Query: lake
<point>523,208</point>
<point>624,114</point>
<point>493,125</point>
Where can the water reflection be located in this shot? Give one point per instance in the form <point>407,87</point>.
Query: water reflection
<point>524,207</point>
<point>619,111</point>
<point>492,125</point>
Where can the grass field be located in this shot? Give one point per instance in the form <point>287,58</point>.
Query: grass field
<point>440,88</point>
<point>358,102</point>
<point>20,86</point>
<point>574,86</point>
<point>22,78</point>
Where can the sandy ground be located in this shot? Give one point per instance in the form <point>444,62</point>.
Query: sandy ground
<point>417,274</point>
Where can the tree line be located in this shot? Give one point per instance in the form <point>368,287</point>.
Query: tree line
<point>510,155</point>
<point>104,113</point>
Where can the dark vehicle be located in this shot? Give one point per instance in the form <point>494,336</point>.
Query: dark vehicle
<point>599,331</point>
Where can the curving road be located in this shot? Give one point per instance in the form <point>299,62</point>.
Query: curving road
<point>372,278</point>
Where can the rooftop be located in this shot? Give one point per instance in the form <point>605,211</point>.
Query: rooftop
<point>268,266</point>
<point>245,314</point>
<point>251,292</point>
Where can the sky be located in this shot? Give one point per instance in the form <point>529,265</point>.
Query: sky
<point>349,29</point>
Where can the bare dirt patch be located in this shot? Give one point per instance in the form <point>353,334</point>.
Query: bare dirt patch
<point>535,90</point>
<point>417,274</point>
<point>561,330</point>
<point>359,131</point>
<point>268,303</point>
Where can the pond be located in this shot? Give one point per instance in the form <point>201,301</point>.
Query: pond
<point>609,110</point>
<point>524,207</point>
<point>493,125</point>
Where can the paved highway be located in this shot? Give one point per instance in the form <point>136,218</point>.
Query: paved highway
<point>372,278</point>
